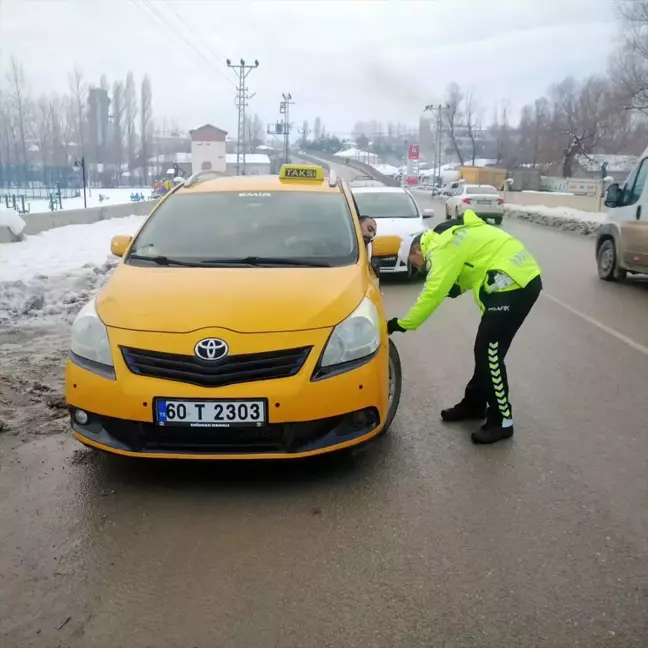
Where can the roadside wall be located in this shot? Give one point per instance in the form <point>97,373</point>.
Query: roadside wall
<point>36,223</point>
<point>583,203</point>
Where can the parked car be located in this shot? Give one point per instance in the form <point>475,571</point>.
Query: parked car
<point>482,199</point>
<point>396,213</point>
<point>622,241</point>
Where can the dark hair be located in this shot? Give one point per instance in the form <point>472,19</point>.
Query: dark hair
<point>416,240</point>
<point>362,219</point>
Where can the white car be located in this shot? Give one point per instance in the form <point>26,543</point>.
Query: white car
<point>396,213</point>
<point>484,200</point>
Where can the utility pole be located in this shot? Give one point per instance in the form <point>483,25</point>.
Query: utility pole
<point>284,109</point>
<point>241,70</point>
<point>439,127</point>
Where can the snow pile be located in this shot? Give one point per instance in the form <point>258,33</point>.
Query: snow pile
<point>12,220</point>
<point>566,218</point>
<point>55,272</point>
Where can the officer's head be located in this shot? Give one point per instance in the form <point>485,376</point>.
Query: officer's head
<point>416,257</point>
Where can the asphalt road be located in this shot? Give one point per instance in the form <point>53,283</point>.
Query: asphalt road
<point>419,540</point>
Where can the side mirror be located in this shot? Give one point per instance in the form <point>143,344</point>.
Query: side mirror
<point>428,213</point>
<point>119,245</point>
<point>613,196</point>
<point>385,246</point>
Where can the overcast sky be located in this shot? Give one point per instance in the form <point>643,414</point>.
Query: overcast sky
<point>340,59</point>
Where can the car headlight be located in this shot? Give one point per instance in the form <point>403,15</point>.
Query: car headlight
<point>90,337</point>
<point>356,337</point>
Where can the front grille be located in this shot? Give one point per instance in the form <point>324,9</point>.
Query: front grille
<point>230,370</point>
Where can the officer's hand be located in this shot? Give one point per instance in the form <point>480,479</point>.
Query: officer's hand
<point>393,326</point>
<point>455,291</point>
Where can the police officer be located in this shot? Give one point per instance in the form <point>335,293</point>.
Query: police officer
<point>467,254</point>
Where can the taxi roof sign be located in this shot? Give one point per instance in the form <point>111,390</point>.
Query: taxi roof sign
<point>301,172</point>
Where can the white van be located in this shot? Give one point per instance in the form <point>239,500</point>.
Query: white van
<point>622,241</point>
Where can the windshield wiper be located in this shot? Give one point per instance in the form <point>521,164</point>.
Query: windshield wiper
<point>261,261</point>
<point>164,261</point>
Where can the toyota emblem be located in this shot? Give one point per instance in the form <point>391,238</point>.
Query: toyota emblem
<point>211,349</point>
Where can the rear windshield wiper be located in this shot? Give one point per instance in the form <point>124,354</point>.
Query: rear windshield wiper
<point>163,260</point>
<point>260,261</point>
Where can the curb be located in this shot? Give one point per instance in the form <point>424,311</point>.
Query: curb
<point>584,228</point>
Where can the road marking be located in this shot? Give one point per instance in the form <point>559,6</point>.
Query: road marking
<point>606,329</point>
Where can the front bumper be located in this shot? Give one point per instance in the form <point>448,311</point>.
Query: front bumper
<point>307,415</point>
<point>274,441</point>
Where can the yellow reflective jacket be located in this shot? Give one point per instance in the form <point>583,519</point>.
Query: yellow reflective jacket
<point>463,255</point>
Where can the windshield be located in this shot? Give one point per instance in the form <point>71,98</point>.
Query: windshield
<point>481,189</point>
<point>383,204</point>
<point>255,226</point>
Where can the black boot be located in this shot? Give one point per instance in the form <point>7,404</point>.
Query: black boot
<point>491,434</point>
<point>463,412</point>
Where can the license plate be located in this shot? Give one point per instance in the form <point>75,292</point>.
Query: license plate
<point>212,413</point>
<point>484,202</point>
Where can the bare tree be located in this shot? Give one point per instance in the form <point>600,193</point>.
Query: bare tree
<point>317,129</point>
<point>629,66</point>
<point>19,98</point>
<point>130,115</point>
<point>57,121</point>
<point>146,123</point>
<point>473,123</point>
<point>253,132</point>
<point>79,90</point>
<point>304,134</point>
<point>43,128</point>
<point>584,116</point>
<point>453,115</point>
<point>117,146</point>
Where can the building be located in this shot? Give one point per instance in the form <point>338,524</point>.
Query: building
<point>255,164</point>
<point>208,149</point>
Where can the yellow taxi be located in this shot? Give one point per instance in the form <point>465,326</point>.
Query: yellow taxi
<point>244,321</point>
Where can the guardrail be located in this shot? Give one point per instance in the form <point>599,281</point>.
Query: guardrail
<point>367,169</point>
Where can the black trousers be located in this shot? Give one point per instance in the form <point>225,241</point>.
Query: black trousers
<point>505,312</point>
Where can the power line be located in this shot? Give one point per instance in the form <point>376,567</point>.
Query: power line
<point>217,57</point>
<point>153,11</point>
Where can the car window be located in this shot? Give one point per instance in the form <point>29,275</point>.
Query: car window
<point>481,189</point>
<point>384,204</point>
<point>635,184</point>
<point>230,225</point>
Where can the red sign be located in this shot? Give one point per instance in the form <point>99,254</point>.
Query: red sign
<point>413,152</point>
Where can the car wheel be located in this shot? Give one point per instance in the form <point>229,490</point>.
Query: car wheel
<point>457,215</point>
<point>447,213</point>
<point>607,263</point>
<point>395,386</point>
<point>498,220</point>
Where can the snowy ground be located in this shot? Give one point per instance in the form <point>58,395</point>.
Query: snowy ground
<point>566,213</point>
<point>564,218</point>
<point>114,197</point>
<point>49,275</point>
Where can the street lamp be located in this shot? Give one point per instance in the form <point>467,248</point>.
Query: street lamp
<point>81,166</point>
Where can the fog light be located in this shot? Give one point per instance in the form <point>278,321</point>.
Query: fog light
<point>80,417</point>
<point>359,419</point>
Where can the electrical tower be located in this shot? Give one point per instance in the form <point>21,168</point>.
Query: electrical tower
<point>241,70</point>
<point>284,109</point>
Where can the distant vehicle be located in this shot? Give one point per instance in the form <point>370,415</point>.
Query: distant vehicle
<point>622,241</point>
<point>450,188</point>
<point>396,214</point>
<point>482,199</point>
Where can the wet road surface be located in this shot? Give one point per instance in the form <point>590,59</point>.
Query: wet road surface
<point>420,539</point>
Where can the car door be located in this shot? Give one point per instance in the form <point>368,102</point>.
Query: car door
<point>632,218</point>
<point>454,200</point>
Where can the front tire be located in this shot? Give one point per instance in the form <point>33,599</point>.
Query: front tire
<point>395,386</point>
<point>607,262</point>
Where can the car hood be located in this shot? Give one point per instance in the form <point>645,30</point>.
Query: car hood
<point>247,300</point>
<point>403,227</point>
